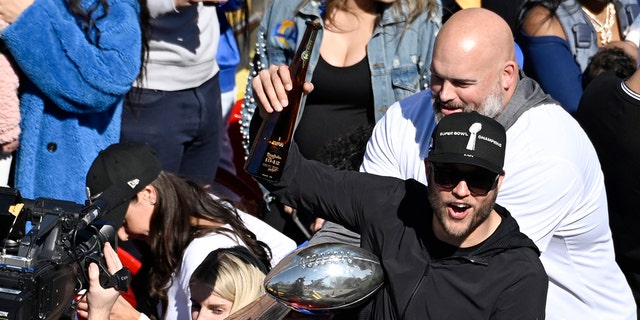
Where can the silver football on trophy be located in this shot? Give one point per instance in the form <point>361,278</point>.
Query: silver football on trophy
<point>325,277</point>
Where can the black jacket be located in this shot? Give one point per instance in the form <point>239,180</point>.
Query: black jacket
<point>501,278</point>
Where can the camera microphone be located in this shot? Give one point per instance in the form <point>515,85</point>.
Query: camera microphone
<point>114,196</point>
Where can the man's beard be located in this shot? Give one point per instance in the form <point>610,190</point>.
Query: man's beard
<point>480,214</point>
<point>491,106</point>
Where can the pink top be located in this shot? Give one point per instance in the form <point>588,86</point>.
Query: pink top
<point>9,102</point>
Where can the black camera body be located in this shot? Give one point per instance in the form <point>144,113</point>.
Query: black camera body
<point>45,256</point>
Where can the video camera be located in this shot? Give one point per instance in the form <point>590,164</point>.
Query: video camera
<point>46,254</point>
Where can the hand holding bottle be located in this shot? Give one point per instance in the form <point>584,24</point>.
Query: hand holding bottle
<point>281,86</point>
<point>270,88</point>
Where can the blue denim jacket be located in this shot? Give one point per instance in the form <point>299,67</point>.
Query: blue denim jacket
<point>399,58</point>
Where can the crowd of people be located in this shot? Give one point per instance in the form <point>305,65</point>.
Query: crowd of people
<point>495,142</point>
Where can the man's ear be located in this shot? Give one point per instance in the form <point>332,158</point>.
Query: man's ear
<point>500,181</point>
<point>509,75</point>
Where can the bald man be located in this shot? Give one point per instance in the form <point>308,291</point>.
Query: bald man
<point>553,184</point>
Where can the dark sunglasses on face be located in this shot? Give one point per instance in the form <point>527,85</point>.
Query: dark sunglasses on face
<point>479,181</point>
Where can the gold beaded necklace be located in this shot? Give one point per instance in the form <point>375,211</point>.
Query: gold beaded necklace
<point>604,29</point>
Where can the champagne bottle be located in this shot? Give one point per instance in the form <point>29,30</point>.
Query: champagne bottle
<point>271,146</point>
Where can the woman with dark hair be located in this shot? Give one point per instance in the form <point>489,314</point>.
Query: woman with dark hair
<point>179,220</point>
<point>78,59</point>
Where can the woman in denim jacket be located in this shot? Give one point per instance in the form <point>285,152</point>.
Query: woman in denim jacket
<point>368,55</point>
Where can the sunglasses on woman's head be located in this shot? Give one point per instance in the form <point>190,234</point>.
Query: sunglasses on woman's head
<point>479,181</point>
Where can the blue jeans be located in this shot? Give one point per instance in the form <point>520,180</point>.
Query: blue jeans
<point>184,127</point>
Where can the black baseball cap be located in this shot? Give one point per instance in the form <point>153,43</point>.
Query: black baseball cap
<point>127,167</point>
<point>469,138</point>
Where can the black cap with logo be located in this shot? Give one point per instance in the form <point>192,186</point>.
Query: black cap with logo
<point>469,138</point>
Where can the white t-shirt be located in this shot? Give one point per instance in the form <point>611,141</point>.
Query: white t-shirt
<point>182,46</point>
<point>554,188</point>
<point>179,303</point>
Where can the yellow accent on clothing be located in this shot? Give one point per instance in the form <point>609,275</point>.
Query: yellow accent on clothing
<point>469,3</point>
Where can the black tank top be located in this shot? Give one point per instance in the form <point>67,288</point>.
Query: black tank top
<point>342,100</point>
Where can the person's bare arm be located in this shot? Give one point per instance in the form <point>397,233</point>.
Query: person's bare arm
<point>538,22</point>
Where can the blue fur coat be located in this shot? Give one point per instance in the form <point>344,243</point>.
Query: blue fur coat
<point>71,92</point>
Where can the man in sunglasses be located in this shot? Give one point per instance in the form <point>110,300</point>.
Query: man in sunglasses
<point>554,184</point>
<point>448,251</point>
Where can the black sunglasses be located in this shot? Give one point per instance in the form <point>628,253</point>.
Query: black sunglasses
<point>479,181</point>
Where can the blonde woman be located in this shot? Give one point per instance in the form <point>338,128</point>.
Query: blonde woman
<point>226,280</point>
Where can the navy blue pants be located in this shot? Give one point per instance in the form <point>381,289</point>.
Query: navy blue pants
<point>184,127</point>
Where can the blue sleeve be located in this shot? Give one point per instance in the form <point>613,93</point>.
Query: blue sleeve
<point>549,61</point>
<point>228,55</point>
<point>78,76</point>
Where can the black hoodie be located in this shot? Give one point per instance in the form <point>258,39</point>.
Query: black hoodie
<point>501,278</point>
